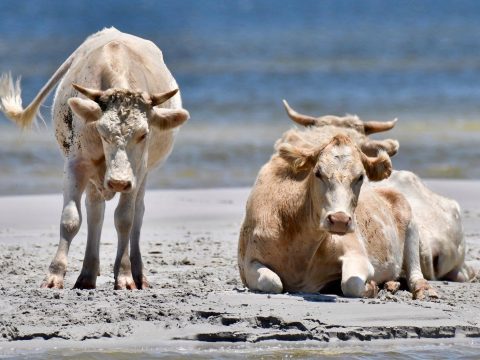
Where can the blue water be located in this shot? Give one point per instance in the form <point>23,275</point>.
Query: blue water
<point>236,60</point>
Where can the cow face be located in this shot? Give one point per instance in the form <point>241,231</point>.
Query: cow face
<point>124,121</point>
<point>336,173</point>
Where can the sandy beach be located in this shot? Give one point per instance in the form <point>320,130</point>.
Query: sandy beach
<point>189,245</point>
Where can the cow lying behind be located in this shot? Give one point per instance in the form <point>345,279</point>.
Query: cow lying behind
<point>307,223</point>
<point>442,244</point>
<point>111,134</point>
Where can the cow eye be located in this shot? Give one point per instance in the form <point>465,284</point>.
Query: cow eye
<point>319,175</point>
<point>359,179</point>
<point>143,137</point>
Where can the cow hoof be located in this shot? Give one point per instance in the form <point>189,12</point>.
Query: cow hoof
<point>52,281</point>
<point>371,289</point>
<point>424,291</point>
<point>392,286</point>
<point>142,283</point>
<point>85,282</point>
<point>125,283</point>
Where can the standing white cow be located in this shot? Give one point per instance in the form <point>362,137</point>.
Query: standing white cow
<point>123,125</point>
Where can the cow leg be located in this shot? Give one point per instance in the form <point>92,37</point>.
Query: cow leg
<point>426,259</point>
<point>135,255</point>
<point>259,277</point>
<point>124,214</point>
<point>417,284</point>
<point>463,274</point>
<point>356,270</point>
<point>75,180</point>
<point>95,204</point>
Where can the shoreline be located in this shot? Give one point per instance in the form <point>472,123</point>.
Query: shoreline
<point>197,301</point>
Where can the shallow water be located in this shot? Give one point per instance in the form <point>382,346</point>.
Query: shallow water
<point>416,350</point>
<point>235,61</point>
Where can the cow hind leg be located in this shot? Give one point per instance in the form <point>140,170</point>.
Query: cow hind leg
<point>465,273</point>
<point>417,284</point>
<point>259,277</point>
<point>95,205</point>
<point>71,219</point>
<point>135,255</point>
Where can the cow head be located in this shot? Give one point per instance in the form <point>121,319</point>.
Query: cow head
<point>335,172</point>
<point>362,129</point>
<point>124,119</point>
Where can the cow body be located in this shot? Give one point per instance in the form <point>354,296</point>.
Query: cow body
<point>442,243</point>
<point>285,244</point>
<point>112,131</point>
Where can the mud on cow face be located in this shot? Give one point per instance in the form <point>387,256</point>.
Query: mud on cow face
<point>124,119</point>
<point>336,174</point>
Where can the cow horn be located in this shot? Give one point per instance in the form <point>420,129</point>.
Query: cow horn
<point>372,147</point>
<point>372,127</point>
<point>160,98</point>
<point>301,119</point>
<point>92,94</point>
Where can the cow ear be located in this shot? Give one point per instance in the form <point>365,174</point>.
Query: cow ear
<point>86,109</point>
<point>166,119</point>
<point>298,158</point>
<point>377,168</point>
<point>372,147</point>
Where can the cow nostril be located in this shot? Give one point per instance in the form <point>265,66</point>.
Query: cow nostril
<point>330,219</point>
<point>339,218</point>
<point>119,185</point>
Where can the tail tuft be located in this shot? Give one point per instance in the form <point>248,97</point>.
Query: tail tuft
<point>11,102</point>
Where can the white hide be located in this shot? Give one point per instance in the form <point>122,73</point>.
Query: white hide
<point>442,245</point>
<point>111,132</point>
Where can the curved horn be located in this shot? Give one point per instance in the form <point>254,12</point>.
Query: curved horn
<point>160,98</point>
<point>371,127</point>
<point>301,119</point>
<point>379,167</point>
<point>372,147</point>
<point>92,94</point>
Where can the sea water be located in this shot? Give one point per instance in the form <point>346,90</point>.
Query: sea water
<point>380,350</point>
<point>235,61</point>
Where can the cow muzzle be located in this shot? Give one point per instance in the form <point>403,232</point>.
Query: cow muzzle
<point>119,185</point>
<point>339,223</point>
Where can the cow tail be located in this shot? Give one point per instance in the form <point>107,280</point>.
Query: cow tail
<point>11,100</point>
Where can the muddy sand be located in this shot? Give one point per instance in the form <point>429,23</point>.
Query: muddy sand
<point>189,244</point>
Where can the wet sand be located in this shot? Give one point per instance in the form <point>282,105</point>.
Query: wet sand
<point>189,244</point>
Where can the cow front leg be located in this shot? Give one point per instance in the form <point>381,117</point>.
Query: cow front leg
<point>356,270</point>
<point>259,277</point>
<point>95,204</point>
<point>135,255</point>
<point>124,214</point>
<point>417,284</point>
<point>74,183</point>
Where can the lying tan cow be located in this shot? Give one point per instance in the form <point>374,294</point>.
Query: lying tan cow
<point>112,129</point>
<point>442,244</point>
<point>311,218</point>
